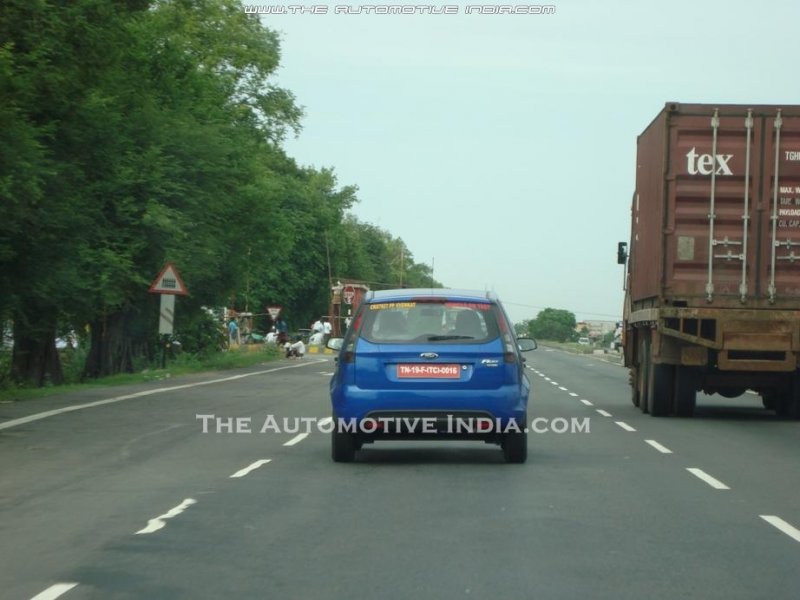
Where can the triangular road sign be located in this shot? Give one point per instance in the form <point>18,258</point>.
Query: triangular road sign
<point>168,282</point>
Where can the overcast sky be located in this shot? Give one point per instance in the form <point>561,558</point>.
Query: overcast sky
<point>501,148</point>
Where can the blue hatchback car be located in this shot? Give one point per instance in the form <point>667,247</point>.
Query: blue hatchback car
<point>430,363</point>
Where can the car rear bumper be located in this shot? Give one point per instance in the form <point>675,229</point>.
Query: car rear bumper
<point>504,403</point>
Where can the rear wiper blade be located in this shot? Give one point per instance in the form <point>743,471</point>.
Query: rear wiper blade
<point>439,338</point>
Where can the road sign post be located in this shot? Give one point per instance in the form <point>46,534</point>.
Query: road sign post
<point>168,284</point>
<point>166,314</point>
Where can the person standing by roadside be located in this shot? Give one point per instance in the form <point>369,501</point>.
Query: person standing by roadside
<point>283,330</point>
<point>316,333</point>
<point>317,327</point>
<point>233,331</point>
<point>326,330</point>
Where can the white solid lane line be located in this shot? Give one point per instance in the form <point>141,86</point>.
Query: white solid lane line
<point>603,413</point>
<point>659,447</point>
<point>296,439</point>
<point>782,526</point>
<point>66,409</point>
<point>253,467</point>
<point>586,402</point>
<point>702,475</point>
<point>624,425</point>
<point>158,522</point>
<point>54,591</point>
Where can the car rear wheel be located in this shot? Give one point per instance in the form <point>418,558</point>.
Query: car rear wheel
<point>343,446</point>
<point>515,446</point>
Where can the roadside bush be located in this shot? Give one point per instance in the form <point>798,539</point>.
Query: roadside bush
<point>201,334</point>
<point>5,369</point>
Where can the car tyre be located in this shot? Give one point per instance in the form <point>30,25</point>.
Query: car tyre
<point>343,446</point>
<point>515,447</point>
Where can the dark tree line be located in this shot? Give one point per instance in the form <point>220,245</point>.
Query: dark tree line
<point>137,132</point>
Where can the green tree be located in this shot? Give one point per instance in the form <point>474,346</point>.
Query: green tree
<point>370,254</point>
<point>553,324</point>
<point>138,132</point>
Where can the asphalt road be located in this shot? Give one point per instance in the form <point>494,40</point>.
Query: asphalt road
<point>130,498</point>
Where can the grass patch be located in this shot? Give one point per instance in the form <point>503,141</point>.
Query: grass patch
<point>573,347</point>
<point>182,364</point>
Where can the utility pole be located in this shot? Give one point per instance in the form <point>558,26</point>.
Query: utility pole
<point>328,255</point>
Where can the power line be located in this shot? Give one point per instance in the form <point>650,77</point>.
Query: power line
<point>582,312</point>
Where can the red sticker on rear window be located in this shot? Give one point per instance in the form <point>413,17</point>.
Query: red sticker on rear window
<point>472,305</point>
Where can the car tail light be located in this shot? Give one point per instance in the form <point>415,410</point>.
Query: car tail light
<point>349,354</point>
<point>509,355</point>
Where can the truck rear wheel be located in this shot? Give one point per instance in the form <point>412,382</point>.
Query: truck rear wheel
<point>787,405</point>
<point>633,379</point>
<point>769,399</point>
<point>661,385</point>
<point>643,374</point>
<point>686,380</point>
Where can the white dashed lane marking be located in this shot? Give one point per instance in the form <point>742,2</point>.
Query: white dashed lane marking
<point>782,526</point>
<point>54,591</point>
<point>248,469</point>
<point>296,439</point>
<point>154,525</point>
<point>659,447</point>
<point>703,476</point>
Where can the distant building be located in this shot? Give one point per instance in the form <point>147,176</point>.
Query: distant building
<point>596,329</point>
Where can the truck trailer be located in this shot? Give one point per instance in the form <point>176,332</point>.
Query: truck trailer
<point>712,286</point>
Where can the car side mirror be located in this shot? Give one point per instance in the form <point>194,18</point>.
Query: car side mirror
<point>622,253</point>
<point>335,343</point>
<point>527,344</point>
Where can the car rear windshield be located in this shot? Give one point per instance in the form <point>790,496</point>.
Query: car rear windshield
<point>449,322</point>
